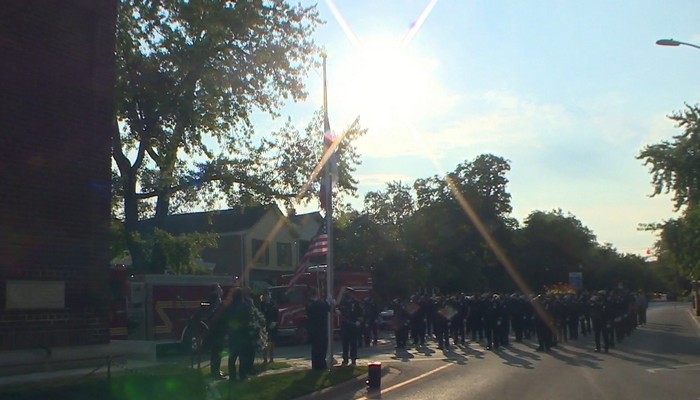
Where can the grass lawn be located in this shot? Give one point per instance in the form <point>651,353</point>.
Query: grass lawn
<point>285,385</point>
<point>153,383</point>
<point>175,383</point>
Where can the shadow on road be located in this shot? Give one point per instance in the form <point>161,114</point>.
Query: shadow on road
<point>512,360</point>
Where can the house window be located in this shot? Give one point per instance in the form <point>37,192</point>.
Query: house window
<point>261,252</point>
<point>284,254</point>
<point>303,247</point>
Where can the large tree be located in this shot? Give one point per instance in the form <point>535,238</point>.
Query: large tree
<point>675,168</point>
<point>391,206</point>
<point>552,244</point>
<point>189,76</point>
<point>461,225</point>
<point>675,165</point>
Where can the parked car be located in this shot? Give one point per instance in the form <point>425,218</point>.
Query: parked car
<point>385,318</point>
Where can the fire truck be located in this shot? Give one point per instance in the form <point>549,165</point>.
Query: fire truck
<point>160,307</point>
<point>291,301</point>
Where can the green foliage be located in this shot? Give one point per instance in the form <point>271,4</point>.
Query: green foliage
<point>675,165</point>
<point>295,156</point>
<point>675,168</point>
<point>392,206</point>
<point>455,233</point>
<point>118,243</point>
<point>189,75</point>
<point>552,245</point>
<point>180,253</point>
<point>164,252</point>
<point>679,247</point>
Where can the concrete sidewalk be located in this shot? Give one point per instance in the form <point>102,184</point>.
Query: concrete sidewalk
<point>81,362</point>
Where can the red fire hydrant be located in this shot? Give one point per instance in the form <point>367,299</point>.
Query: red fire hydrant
<point>374,375</point>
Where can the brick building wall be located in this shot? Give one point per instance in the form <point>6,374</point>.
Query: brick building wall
<point>56,112</point>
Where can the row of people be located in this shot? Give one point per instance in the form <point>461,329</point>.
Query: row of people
<point>494,318</point>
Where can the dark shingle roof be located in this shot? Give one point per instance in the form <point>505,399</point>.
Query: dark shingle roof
<point>299,219</point>
<point>220,221</point>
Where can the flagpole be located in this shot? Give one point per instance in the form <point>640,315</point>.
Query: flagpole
<point>329,227</point>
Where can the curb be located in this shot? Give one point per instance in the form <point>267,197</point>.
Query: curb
<point>352,385</point>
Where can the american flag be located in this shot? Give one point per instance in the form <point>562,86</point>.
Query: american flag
<point>317,248</point>
<point>331,164</point>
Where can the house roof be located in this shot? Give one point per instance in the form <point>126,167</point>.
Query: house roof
<point>232,220</point>
<point>300,219</point>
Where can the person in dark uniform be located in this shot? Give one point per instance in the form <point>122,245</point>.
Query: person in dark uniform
<point>456,320</point>
<point>441,324</point>
<point>371,313</point>
<point>217,331</point>
<point>238,316</point>
<point>317,313</point>
<point>429,315</point>
<point>476,318</point>
<point>542,313</point>
<point>271,312</point>
<point>417,321</point>
<point>642,306</point>
<point>584,302</point>
<point>599,319</point>
<point>350,315</point>
<point>491,321</point>
<point>400,323</point>
<point>519,317</point>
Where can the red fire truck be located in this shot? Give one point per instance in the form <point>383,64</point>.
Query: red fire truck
<point>159,307</point>
<point>292,301</point>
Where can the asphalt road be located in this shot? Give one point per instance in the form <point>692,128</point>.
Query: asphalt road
<point>659,361</point>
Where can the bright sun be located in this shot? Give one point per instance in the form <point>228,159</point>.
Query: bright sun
<point>385,82</point>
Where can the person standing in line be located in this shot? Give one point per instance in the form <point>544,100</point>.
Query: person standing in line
<point>476,317</point>
<point>441,325</point>
<point>317,324</point>
<point>349,324</point>
<point>271,312</point>
<point>217,331</point>
<point>599,320</point>
<point>256,323</point>
<point>400,323</point>
<point>430,308</point>
<point>541,307</point>
<point>362,324</point>
<point>642,306</point>
<point>239,336</point>
<point>371,313</point>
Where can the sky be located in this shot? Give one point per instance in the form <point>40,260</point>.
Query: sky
<point>568,92</point>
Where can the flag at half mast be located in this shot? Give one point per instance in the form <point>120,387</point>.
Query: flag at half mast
<point>330,169</point>
<point>317,248</point>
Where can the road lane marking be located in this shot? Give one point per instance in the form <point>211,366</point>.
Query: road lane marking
<point>408,382</point>
<point>672,368</point>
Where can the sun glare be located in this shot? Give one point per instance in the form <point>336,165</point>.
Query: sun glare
<point>389,86</point>
<point>389,82</point>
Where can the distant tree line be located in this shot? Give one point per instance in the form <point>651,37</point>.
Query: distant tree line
<point>456,234</point>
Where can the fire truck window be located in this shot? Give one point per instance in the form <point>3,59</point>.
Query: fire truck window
<point>295,296</point>
<point>284,254</point>
<point>261,252</point>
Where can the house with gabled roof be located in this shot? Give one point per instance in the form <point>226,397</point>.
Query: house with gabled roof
<point>261,237</point>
